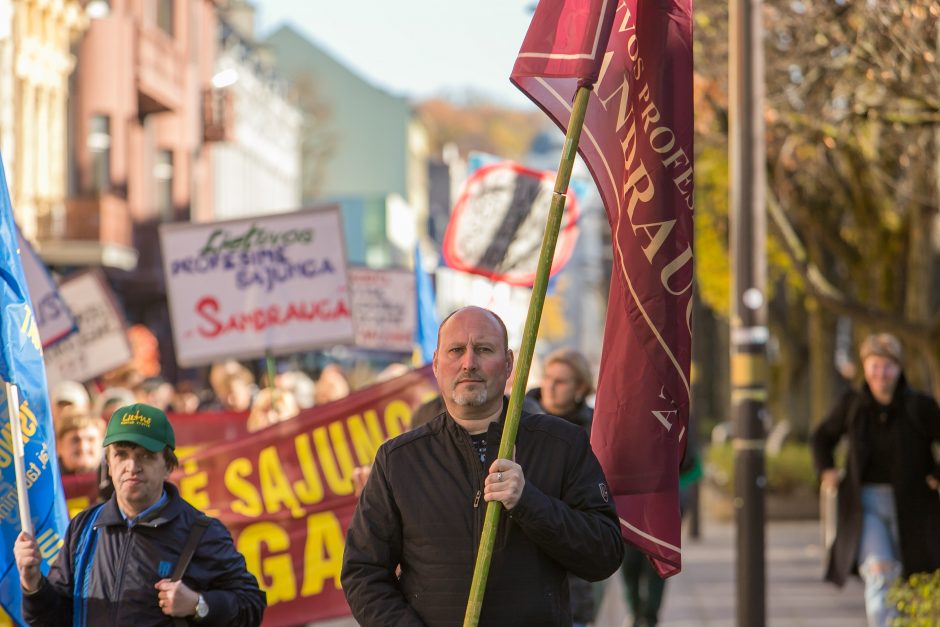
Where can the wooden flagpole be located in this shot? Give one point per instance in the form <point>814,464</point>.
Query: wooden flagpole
<point>529,333</point>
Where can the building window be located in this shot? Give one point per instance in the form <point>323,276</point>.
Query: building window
<point>165,16</point>
<point>99,147</point>
<point>163,184</point>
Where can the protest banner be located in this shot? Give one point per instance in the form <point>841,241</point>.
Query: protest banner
<point>383,308</point>
<point>22,376</point>
<point>637,143</point>
<point>247,288</point>
<point>498,220</point>
<point>286,492</point>
<point>100,345</point>
<point>53,316</point>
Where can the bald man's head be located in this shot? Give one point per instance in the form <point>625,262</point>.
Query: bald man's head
<point>472,364</point>
<point>481,310</point>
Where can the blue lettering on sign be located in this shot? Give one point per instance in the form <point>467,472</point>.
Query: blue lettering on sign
<point>49,309</point>
<point>269,276</point>
<point>235,260</point>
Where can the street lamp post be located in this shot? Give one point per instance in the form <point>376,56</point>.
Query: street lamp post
<point>748,309</point>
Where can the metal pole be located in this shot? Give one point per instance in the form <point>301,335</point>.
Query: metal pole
<point>748,310</point>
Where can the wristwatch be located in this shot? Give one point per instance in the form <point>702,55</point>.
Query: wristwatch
<point>202,608</point>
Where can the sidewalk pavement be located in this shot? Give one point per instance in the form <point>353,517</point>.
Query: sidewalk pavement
<point>704,593</point>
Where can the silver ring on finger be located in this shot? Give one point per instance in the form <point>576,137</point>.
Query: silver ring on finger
<point>499,476</point>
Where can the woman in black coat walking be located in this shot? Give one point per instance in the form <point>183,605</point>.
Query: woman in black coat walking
<point>566,383</point>
<point>888,502</point>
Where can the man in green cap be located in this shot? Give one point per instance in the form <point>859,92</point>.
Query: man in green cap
<point>115,567</point>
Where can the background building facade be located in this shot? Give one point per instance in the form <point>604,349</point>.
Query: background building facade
<point>362,147</point>
<point>257,165</point>
<point>35,64</point>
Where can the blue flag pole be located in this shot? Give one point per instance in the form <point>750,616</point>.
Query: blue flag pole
<point>426,324</point>
<point>27,435</point>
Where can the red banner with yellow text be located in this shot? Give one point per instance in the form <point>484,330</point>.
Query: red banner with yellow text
<point>286,492</point>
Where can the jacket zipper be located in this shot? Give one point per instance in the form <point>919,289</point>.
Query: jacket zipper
<point>123,567</point>
<point>477,518</point>
<point>478,495</point>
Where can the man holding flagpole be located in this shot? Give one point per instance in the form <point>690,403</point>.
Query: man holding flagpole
<point>29,476</point>
<point>421,512</point>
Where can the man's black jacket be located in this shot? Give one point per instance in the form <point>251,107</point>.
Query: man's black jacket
<point>124,563</point>
<point>422,509</point>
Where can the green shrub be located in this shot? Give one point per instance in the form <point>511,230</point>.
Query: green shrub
<point>789,472</point>
<point>917,600</point>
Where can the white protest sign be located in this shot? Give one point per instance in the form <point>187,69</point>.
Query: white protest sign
<point>240,288</point>
<point>100,345</point>
<point>53,316</point>
<point>383,307</point>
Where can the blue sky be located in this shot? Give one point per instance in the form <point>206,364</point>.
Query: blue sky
<point>417,48</point>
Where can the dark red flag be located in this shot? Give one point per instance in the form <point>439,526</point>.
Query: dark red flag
<point>637,142</point>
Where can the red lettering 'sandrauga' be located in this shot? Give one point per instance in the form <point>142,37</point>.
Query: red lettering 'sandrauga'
<point>260,318</point>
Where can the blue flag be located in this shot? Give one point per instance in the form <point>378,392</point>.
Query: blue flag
<point>21,364</point>
<point>426,327</point>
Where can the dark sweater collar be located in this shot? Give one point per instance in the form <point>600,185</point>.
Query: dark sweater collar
<point>111,514</point>
<point>450,423</point>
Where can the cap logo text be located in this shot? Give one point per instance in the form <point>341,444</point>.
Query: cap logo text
<point>135,419</point>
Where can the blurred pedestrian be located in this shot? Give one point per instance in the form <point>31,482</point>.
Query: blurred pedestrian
<point>644,588</point>
<point>68,395</point>
<point>332,385</point>
<point>110,400</point>
<point>115,565</point>
<point>185,398</point>
<point>300,385</point>
<point>565,385</point>
<point>78,442</point>
<point>422,508</point>
<point>888,520</point>
<point>233,385</point>
<point>155,391</point>
<point>271,406</point>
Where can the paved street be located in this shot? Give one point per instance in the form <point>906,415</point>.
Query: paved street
<point>703,595</point>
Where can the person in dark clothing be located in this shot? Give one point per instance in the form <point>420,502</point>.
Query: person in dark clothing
<point>888,511</point>
<point>115,564</point>
<point>422,509</point>
<point>566,383</point>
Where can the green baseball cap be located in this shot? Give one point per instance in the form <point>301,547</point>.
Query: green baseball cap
<point>140,424</point>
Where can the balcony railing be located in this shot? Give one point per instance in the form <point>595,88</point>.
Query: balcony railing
<point>103,219</point>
